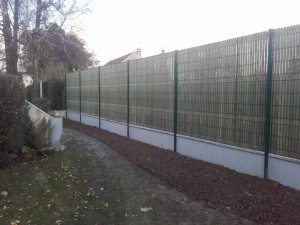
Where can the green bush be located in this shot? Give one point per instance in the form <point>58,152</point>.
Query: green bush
<point>29,132</point>
<point>12,96</point>
<point>20,134</point>
<point>54,90</point>
<point>5,161</point>
<point>43,103</point>
<point>42,134</point>
<point>29,92</point>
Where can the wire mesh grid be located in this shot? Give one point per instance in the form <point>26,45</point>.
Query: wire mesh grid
<point>113,82</point>
<point>151,92</point>
<point>285,117</point>
<point>73,93</point>
<point>90,92</point>
<point>221,91</point>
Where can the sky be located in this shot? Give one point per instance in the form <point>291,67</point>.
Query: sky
<point>117,27</point>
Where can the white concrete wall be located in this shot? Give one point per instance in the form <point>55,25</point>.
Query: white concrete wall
<point>114,127</point>
<point>109,125</point>
<point>55,124</point>
<point>154,137</point>
<point>73,116</point>
<point>239,159</point>
<point>285,170</point>
<point>56,130</point>
<point>58,113</point>
<point>90,120</point>
<point>281,169</point>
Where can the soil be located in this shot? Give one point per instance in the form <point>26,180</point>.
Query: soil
<point>133,196</point>
<point>216,187</point>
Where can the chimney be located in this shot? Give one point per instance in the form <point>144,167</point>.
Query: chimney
<point>139,51</point>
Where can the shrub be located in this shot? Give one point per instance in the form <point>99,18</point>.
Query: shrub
<point>21,134</point>
<point>29,132</point>
<point>54,90</point>
<point>5,161</point>
<point>43,103</point>
<point>12,96</point>
<point>42,134</point>
<point>29,92</point>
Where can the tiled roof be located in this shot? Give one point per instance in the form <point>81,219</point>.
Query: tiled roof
<point>118,60</point>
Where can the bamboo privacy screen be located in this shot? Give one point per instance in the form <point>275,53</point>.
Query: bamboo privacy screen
<point>151,92</point>
<point>221,92</point>
<point>89,92</point>
<point>72,93</point>
<point>285,120</point>
<point>113,80</point>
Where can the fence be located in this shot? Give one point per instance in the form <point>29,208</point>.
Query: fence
<point>243,92</point>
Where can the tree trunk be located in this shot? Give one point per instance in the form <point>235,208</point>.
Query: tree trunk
<point>10,37</point>
<point>2,147</point>
<point>36,62</point>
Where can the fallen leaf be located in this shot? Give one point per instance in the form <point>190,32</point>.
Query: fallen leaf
<point>15,222</point>
<point>4,193</point>
<point>146,209</point>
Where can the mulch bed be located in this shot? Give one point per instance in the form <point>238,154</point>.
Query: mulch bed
<point>261,201</point>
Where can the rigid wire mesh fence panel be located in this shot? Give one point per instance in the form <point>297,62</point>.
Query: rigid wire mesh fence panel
<point>90,92</point>
<point>113,82</point>
<point>221,91</point>
<point>151,92</point>
<point>73,95</point>
<point>285,116</point>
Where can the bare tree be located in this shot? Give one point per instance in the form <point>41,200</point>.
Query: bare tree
<point>23,20</point>
<point>60,52</point>
<point>10,29</point>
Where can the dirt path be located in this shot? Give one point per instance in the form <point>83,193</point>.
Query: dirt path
<point>217,187</point>
<point>130,190</point>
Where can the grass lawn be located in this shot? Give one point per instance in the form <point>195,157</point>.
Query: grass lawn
<point>56,190</point>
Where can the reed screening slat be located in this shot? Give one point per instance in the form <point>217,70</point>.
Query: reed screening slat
<point>113,80</point>
<point>285,119</point>
<point>72,92</point>
<point>221,92</point>
<point>90,92</point>
<point>151,92</point>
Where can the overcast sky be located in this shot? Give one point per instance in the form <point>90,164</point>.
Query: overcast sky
<point>117,27</point>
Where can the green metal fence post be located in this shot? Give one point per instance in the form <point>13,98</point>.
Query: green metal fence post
<point>128,98</point>
<point>268,101</point>
<point>99,97</point>
<point>79,74</point>
<point>65,101</point>
<point>175,99</point>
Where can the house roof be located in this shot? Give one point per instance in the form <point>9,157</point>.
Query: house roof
<point>118,60</point>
